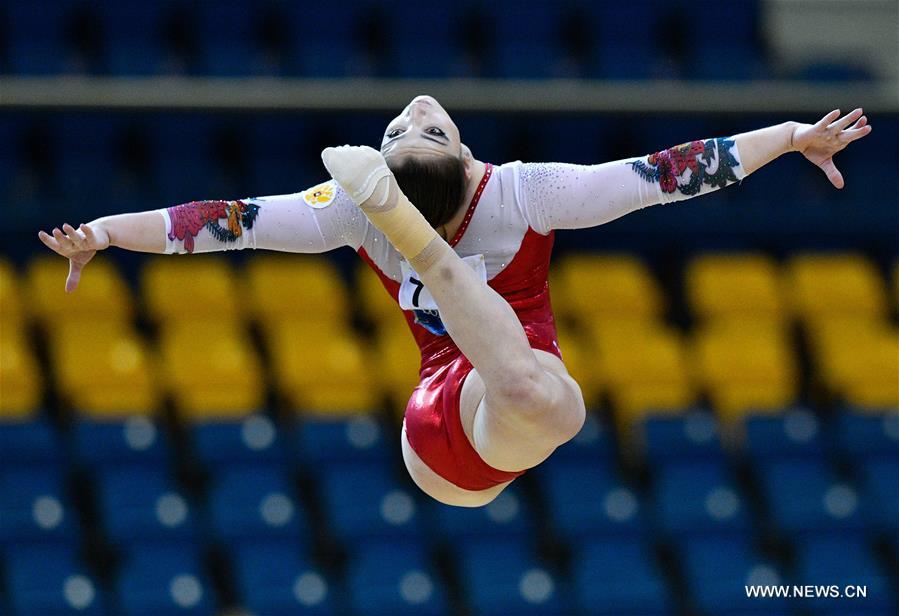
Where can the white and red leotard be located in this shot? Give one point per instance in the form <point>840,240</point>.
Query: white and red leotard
<point>507,232</point>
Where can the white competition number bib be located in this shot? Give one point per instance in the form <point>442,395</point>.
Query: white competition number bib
<point>415,296</point>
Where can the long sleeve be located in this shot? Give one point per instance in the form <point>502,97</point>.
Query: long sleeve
<point>316,220</point>
<point>565,196</point>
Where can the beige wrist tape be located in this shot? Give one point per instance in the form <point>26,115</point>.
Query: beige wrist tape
<point>403,224</point>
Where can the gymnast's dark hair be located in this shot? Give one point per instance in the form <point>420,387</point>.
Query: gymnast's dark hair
<point>434,184</point>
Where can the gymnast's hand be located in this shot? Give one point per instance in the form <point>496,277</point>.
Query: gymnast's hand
<point>359,170</point>
<point>820,141</point>
<point>77,245</point>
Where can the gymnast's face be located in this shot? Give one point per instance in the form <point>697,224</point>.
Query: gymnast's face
<point>424,128</point>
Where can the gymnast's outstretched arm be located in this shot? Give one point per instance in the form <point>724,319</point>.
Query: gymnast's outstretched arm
<point>313,221</point>
<point>563,196</point>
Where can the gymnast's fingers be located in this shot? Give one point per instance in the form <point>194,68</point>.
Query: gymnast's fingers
<point>846,120</point>
<point>826,120</point>
<point>49,241</point>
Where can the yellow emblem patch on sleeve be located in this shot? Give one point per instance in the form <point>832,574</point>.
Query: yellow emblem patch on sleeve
<point>320,196</point>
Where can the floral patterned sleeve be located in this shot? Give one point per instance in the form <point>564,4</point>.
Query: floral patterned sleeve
<point>564,196</point>
<point>316,220</point>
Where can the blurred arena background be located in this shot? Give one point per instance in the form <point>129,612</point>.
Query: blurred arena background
<point>219,434</point>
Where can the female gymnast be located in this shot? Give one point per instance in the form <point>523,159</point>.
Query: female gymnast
<point>463,247</point>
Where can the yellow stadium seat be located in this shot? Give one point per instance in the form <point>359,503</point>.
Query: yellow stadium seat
<point>896,286</point>
<point>321,369</point>
<point>374,301</point>
<point>210,369</point>
<point>734,286</point>
<point>20,378</point>
<point>11,309</point>
<point>858,360</point>
<point>579,358</point>
<point>296,287</point>
<point>101,293</point>
<point>643,369</point>
<point>611,286</point>
<point>397,364</point>
<point>191,287</point>
<point>846,285</point>
<point>745,366</point>
<point>103,369</point>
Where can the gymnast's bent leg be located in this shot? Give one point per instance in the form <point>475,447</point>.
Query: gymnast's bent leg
<point>518,404</point>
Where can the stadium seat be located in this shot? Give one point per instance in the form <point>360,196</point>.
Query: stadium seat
<point>608,287</point>
<point>132,37</point>
<point>364,502</point>
<point>34,508</point>
<point>578,356</point>
<point>135,441</point>
<point>843,561</point>
<point>50,580</point>
<point>142,506</point>
<point>742,286</point>
<point>20,378</point>
<point>337,379</point>
<point>102,293</point>
<point>319,442</point>
<point>689,437</point>
<point>593,444</point>
<point>856,359</point>
<point>745,366</point>
<point>37,38</point>
<point>251,440</point>
<point>835,285</point>
<point>527,40</point>
<point>619,577</point>
<point>211,371</point>
<point>795,434</point>
<point>163,580</point>
<point>585,501</point>
<point>32,444</point>
<point>507,516</point>
<point>503,576</point>
<point>867,434</point>
<point>374,301</point>
<point>695,499</point>
<point>12,311</point>
<point>804,497</point>
<point>309,289</point>
<point>881,493</point>
<point>123,378</point>
<point>197,287</point>
<point>390,578</point>
<point>255,503</point>
<point>399,357</point>
<point>277,579</point>
<point>718,569</point>
<point>228,36</point>
<point>644,369</point>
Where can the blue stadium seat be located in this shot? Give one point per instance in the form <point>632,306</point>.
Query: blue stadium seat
<point>278,148</point>
<point>182,151</point>
<point>508,515</point>
<point>164,580</point>
<point>795,434</point>
<point>253,440</point>
<point>50,580</point>
<point>528,40</point>
<point>140,505</point>
<point>586,500</point>
<point>34,508</point>
<point>322,442</point>
<point>717,570</point>
<point>133,37</point>
<point>389,578</point>
<point>324,38</point>
<point>803,496</point>
<point>503,576</point>
<point>29,444</point>
<point>276,579</point>
<point>696,499</point>
<point>135,441</point>
<point>691,437</point>
<point>37,37</point>
<point>364,501</point>
<point>843,561</point>
<point>624,40</point>
<point>867,435</point>
<point>881,493</point>
<point>619,577</point>
<point>227,33</point>
<point>593,444</point>
<point>249,504</point>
